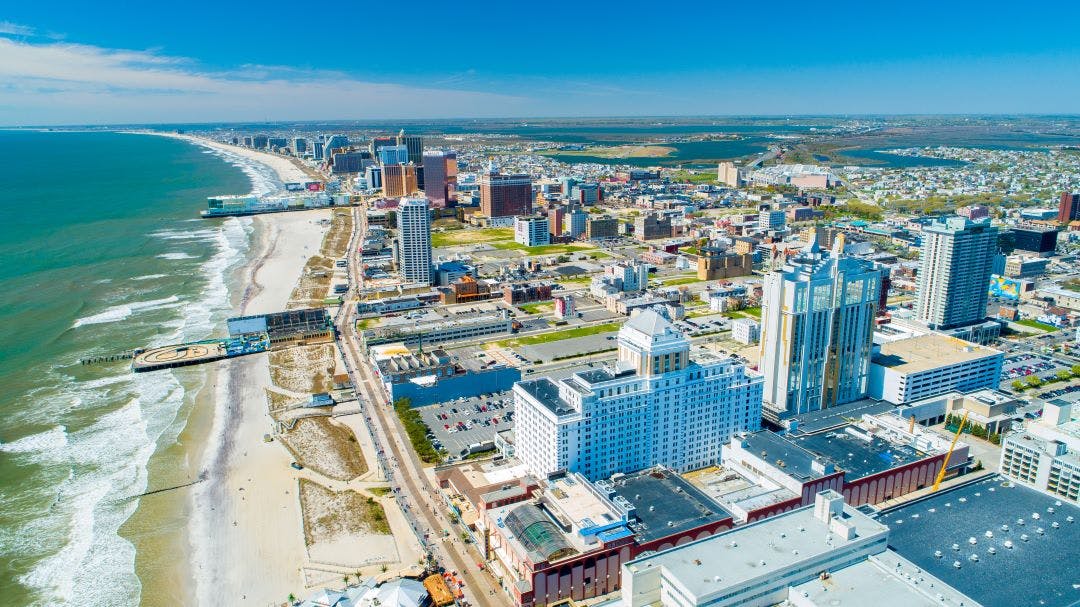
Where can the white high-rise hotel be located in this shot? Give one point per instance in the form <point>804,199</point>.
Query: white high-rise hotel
<point>655,405</point>
<point>414,240</point>
<point>817,330</point>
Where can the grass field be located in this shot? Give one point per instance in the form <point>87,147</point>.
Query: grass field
<point>583,279</point>
<point>537,308</point>
<point>1034,324</point>
<point>532,340</point>
<point>454,238</point>
<point>681,280</point>
<point>747,313</point>
<point>551,249</point>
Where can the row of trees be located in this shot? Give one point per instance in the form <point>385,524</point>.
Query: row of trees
<point>976,430</point>
<point>1034,381</point>
<point>417,431</point>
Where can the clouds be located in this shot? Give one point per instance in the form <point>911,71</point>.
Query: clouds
<point>66,83</point>
<point>14,29</point>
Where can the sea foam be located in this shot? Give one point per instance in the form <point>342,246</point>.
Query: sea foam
<point>125,310</point>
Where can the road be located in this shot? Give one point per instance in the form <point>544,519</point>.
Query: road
<point>416,495</point>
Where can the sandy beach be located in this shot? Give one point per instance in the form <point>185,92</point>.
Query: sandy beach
<point>245,533</point>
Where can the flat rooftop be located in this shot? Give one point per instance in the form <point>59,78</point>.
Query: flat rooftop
<point>929,351</point>
<point>546,392</point>
<point>871,582</point>
<point>666,504</point>
<point>735,558</point>
<point>777,450</point>
<point>1039,571</point>
<point>823,419</point>
<point>858,458</point>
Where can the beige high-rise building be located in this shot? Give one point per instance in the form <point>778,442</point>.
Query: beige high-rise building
<point>729,174</point>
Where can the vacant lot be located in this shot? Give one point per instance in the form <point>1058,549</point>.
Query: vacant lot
<point>326,447</point>
<point>454,238</point>
<point>330,515</point>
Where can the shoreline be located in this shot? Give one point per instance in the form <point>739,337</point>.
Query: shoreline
<point>222,522</point>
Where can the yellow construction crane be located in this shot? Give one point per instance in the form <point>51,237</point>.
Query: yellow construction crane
<point>945,463</point>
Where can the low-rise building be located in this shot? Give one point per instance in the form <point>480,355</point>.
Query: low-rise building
<point>434,376</point>
<point>600,228</point>
<point>1045,454</point>
<point>745,330</point>
<point>569,538</point>
<point>912,369</point>
<point>756,565</point>
<point>871,460</point>
<point>652,226</point>
<point>433,328</point>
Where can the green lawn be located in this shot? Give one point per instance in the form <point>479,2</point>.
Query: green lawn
<point>467,236</point>
<point>683,280</point>
<point>747,313</point>
<point>543,338</point>
<point>550,249</point>
<point>536,308</point>
<point>575,280</point>
<point>1034,324</point>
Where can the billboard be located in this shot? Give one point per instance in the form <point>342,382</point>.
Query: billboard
<point>1008,288</point>
<point>294,187</point>
<point>314,186</point>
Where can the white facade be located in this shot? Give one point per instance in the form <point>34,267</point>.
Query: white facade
<point>955,264</point>
<point>909,370</point>
<point>414,240</point>
<point>532,231</point>
<point>654,406</point>
<point>745,330</point>
<point>1046,454</point>
<point>817,327</point>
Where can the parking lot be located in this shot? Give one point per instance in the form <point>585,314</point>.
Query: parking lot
<point>1019,366</point>
<point>458,424</point>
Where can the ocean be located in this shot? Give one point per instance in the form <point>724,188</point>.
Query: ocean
<point>101,251</point>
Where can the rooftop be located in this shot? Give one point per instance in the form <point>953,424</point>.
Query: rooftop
<point>857,453</point>
<point>665,504</point>
<point>1026,568</point>
<point>823,419</point>
<point>929,351</point>
<point>795,460</point>
<point>871,582</point>
<point>736,558</point>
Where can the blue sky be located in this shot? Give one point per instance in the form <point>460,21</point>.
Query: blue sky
<point>200,61</point>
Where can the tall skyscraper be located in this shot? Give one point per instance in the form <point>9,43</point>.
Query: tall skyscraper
<point>955,264</point>
<point>317,149</point>
<point>393,154</point>
<point>440,178</point>
<point>377,143</point>
<point>299,146</point>
<point>414,240</point>
<point>817,329</point>
<point>656,405</point>
<point>415,146</point>
<point>399,180</point>
<point>1069,207</point>
<point>505,195</point>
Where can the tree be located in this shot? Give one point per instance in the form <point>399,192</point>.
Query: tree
<point>345,578</point>
<point>1018,385</point>
<point>292,598</point>
<point>1064,375</point>
<point>1034,381</point>
<point>1075,370</point>
<point>383,568</point>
